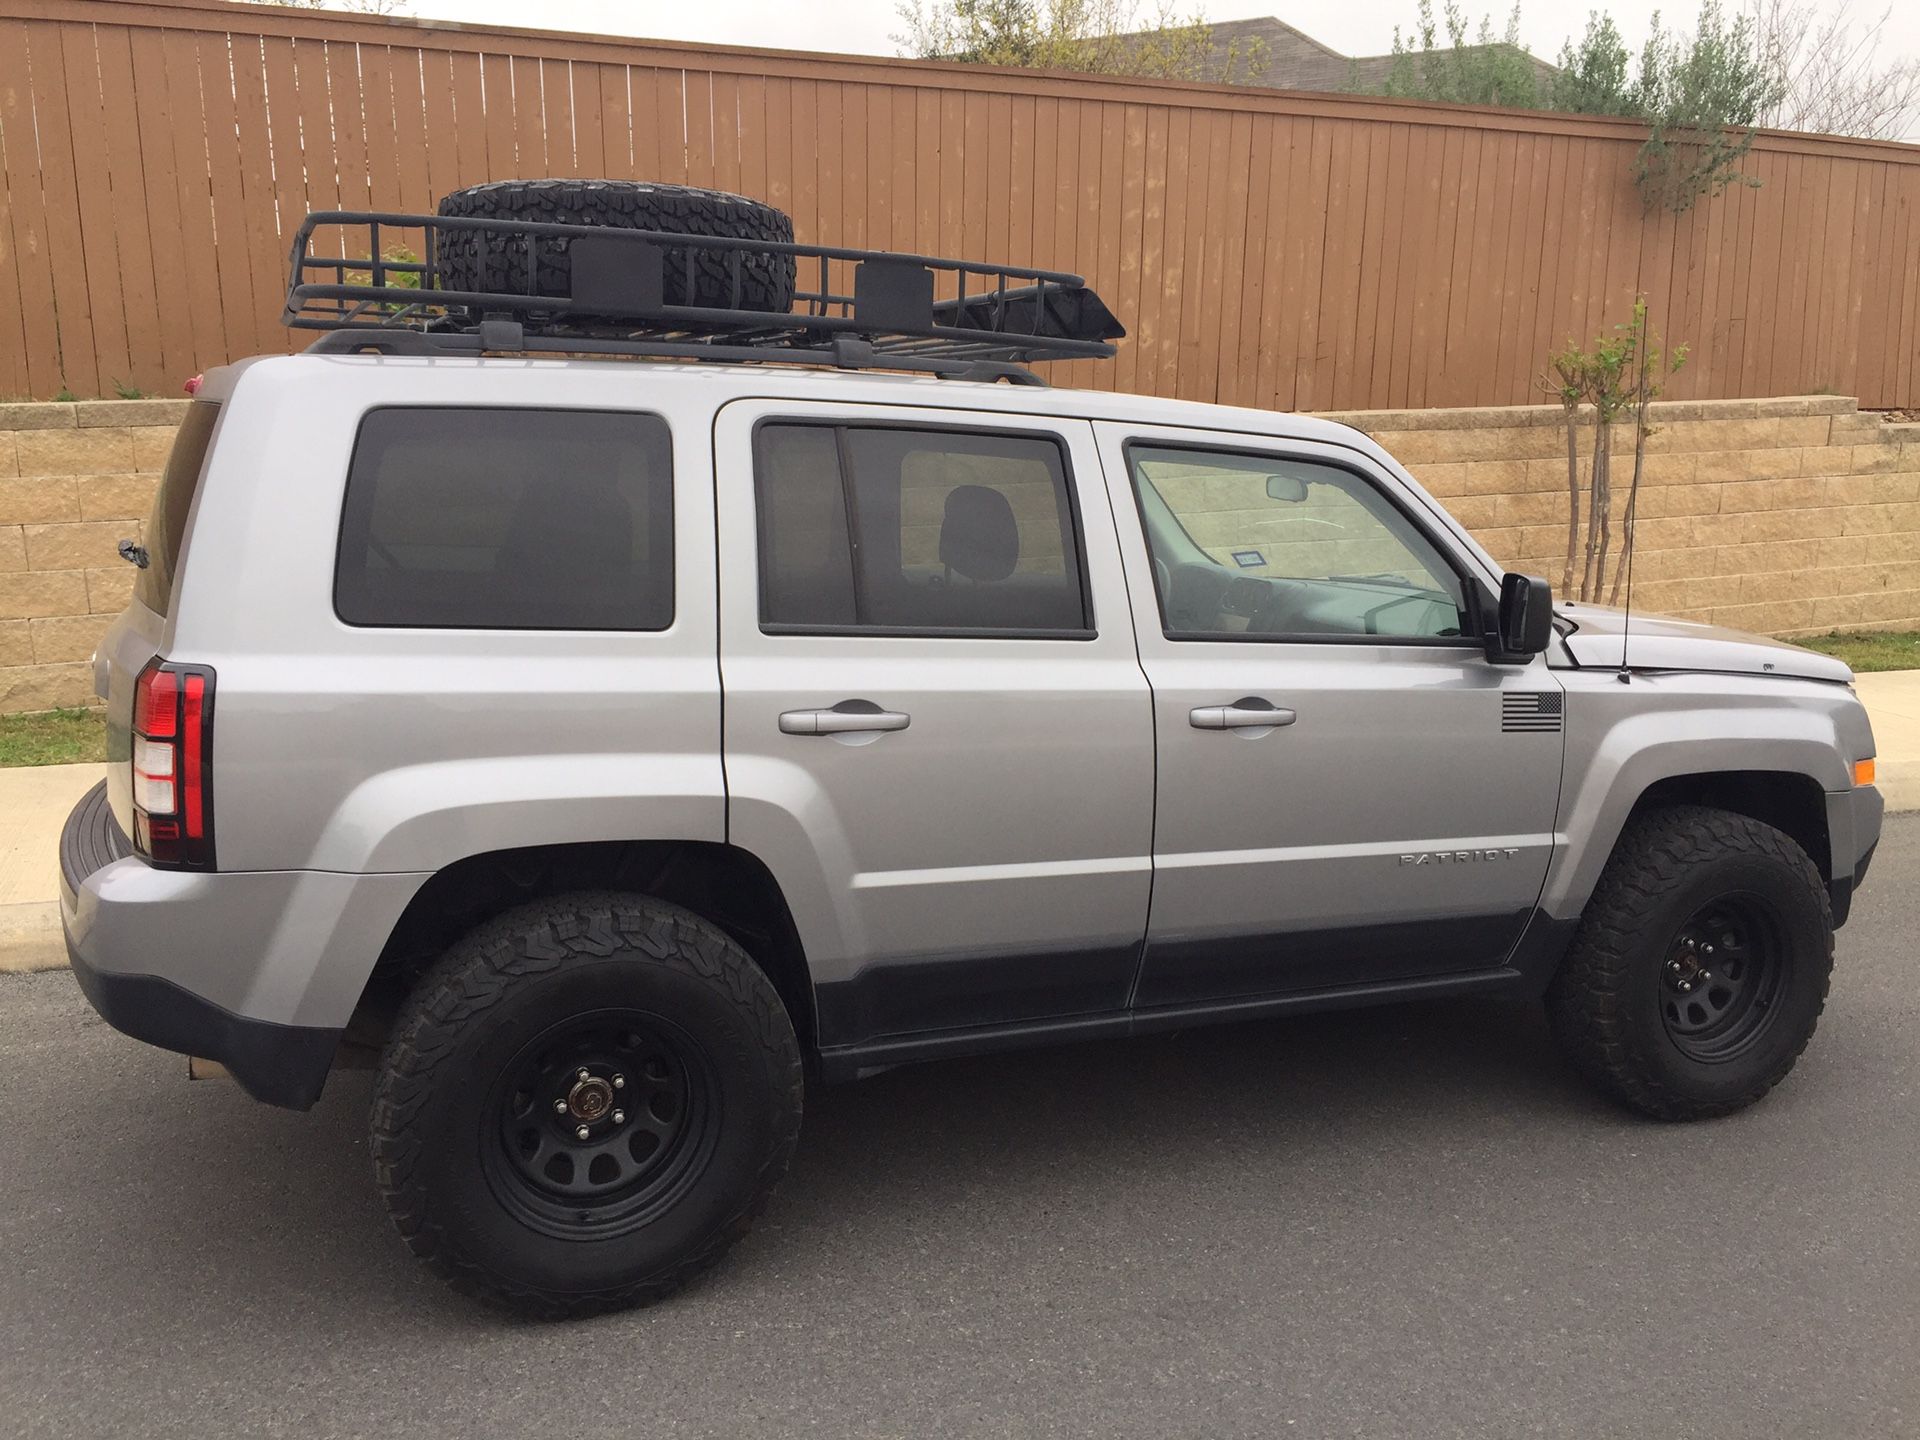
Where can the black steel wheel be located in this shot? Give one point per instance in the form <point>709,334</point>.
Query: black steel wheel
<point>584,1103</point>
<point>1700,967</point>
<point>1723,978</point>
<point>601,1122</point>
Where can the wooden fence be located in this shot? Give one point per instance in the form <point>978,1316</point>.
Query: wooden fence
<point>1283,250</point>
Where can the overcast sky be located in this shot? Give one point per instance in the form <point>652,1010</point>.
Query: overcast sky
<point>1354,27</point>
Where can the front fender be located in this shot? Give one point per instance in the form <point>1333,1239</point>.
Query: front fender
<point>1623,739</point>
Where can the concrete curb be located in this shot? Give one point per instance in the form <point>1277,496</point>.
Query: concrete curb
<point>30,938</point>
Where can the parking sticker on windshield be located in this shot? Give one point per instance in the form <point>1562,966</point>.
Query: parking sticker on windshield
<point>1249,559</point>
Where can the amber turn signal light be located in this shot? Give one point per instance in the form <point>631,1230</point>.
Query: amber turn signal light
<point>1863,772</point>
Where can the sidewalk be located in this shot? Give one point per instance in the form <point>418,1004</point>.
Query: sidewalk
<point>1892,698</point>
<point>34,802</point>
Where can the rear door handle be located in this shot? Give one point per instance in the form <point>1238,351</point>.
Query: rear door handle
<point>1248,714</point>
<point>843,721</point>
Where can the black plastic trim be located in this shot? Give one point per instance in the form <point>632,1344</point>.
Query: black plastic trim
<point>90,840</point>
<point>283,1065</point>
<point>1842,888</point>
<point>1222,968</point>
<point>850,1062</point>
<point>1541,949</point>
<point>1420,642</point>
<point>964,991</point>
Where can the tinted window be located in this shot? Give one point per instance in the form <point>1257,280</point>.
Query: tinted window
<point>1271,547</point>
<point>508,519</point>
<point>167,526</point>
<point>917,530</point>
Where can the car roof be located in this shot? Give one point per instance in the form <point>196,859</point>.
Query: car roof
<point>723,382</point>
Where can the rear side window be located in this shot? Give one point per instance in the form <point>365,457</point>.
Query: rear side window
<point>916,530</point>
<point>167,526</point>
<point>508,519</point>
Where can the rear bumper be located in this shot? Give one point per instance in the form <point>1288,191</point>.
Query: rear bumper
<point>279,1064</point>
<point>259,970</point>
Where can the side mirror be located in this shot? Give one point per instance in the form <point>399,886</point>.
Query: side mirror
<point>1290,489</point>
<point>1525,621</point>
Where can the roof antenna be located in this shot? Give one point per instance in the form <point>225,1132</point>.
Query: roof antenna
<point>1643,393</point>
<point>1625,677</point>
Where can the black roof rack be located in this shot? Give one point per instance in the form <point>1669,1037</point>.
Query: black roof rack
<point>378,287</point>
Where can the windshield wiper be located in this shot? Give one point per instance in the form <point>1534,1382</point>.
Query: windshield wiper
<point>1397,580</point>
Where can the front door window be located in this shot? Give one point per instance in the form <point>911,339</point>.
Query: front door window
<point>1268,547</point>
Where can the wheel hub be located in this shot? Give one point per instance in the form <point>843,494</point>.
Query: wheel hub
<point>591,1098</point>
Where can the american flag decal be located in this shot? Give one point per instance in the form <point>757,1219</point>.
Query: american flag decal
<point>1524,713</point>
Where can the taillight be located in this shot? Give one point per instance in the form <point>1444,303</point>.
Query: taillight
<point>172,769</point>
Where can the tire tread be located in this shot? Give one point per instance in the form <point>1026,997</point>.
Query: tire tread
<point>497,263</point>
<point>474,977</point>
<point>1586,1004</point>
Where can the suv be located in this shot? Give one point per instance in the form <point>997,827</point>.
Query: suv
<point>614,742</point>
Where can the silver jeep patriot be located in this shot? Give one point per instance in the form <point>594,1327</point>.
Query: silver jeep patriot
<point>606,732</point>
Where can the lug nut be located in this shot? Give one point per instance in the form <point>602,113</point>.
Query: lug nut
<point>1706,975</point>
<point>1686,985</point>
<point>1706,949</point>
<point>581,1133</point>
<point>619,1082</point>
<point>583,1074</point>
<point>619,1117</point>
<point>559,1107</point>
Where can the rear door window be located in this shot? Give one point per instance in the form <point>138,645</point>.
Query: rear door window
<point>508,519</point>
<point>917,531</point>
<point>167,526</point>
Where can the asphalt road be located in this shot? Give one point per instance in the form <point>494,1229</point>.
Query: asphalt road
<point>1396,1222</point>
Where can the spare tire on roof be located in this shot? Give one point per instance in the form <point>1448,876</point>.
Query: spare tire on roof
<point>497,261</point>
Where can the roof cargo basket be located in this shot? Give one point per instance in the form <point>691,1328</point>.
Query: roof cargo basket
<point>371,280</point>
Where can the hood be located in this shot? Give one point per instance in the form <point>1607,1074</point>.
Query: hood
<point>1656,642</point>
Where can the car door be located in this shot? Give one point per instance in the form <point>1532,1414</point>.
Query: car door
<point>935,738</point>
<point>1348,792</point>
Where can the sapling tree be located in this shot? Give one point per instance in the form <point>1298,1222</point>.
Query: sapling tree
<point>1651,371</point>
<point>1623,372</point>
<point>1566,381</point>
<point>1608,364</point>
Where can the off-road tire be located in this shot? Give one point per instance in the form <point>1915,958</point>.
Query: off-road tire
<point>497,262</point>
<point>1604,1004</point>
<point>562,957</point>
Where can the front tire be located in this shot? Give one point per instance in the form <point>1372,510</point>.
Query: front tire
<point>584,1104</point>
<point>1700,968</point>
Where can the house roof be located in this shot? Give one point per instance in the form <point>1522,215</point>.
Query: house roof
<point>1294,60</point>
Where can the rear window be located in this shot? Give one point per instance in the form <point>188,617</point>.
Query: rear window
<point>508,519</point>
<point>167,526</point>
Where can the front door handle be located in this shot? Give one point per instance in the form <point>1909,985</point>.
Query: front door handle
<point>1251,713</point>
<point>849,717</point>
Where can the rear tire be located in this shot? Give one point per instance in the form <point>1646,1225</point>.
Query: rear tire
<point>1700,967</point>
<point>584,1104</point>
<point>497,262</point>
